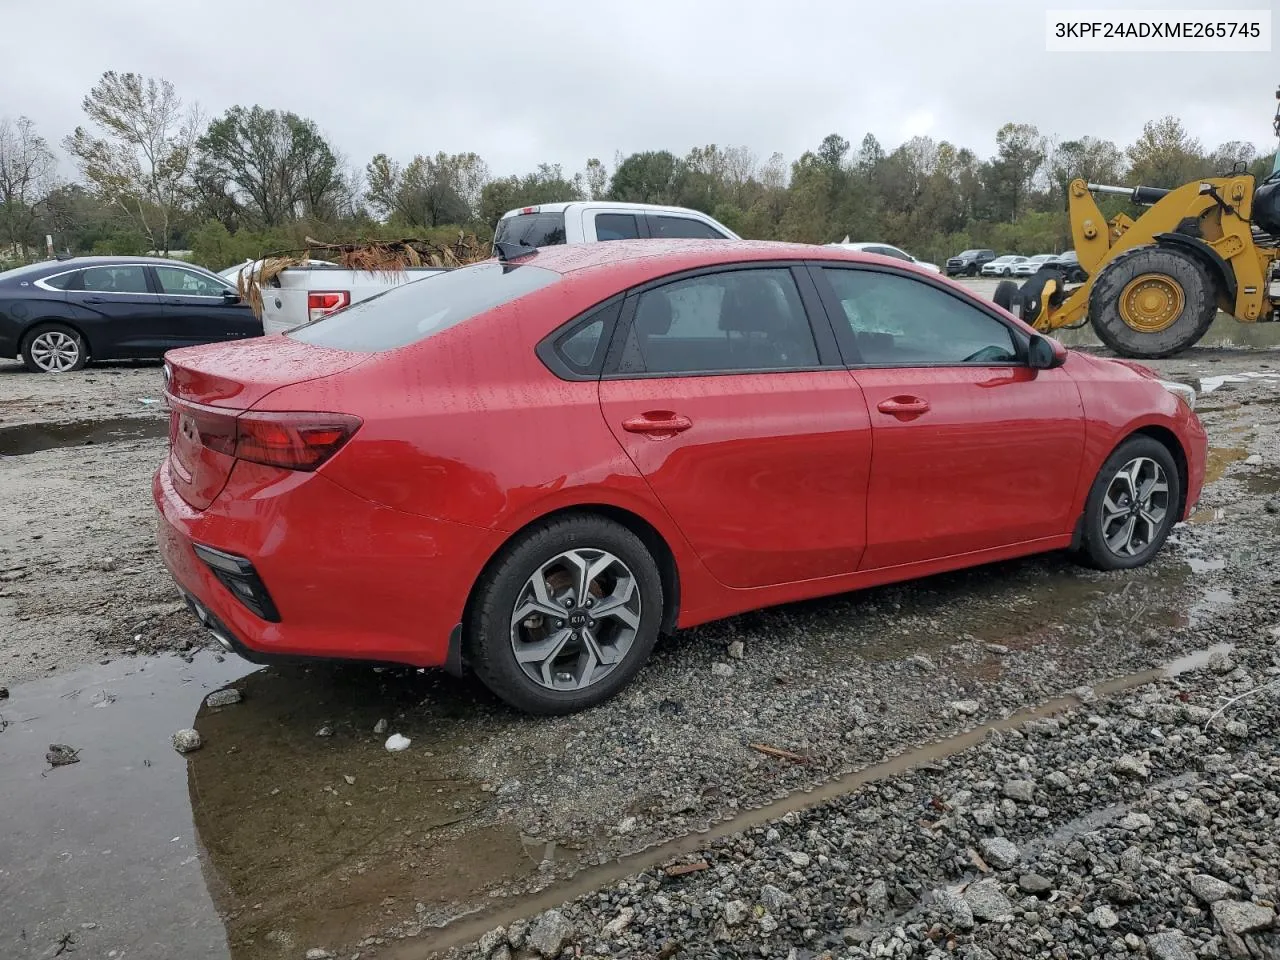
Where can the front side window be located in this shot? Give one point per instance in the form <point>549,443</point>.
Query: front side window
<point>187,283</point>
<point>120,278</point>
<point>685,228</point>
<point>900,321</point>
<point>722,322</point>
<point>417,310</point>
<point>616,226</point>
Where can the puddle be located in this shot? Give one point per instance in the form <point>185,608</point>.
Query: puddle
<point>257,845</point>
<point>1196,660</point>
<point>1264,481</point>
<point>1206,565</point>
<point>34,437</point>
<point>93,841</point>
<point>1206,515</point>
<point>1210,384</point>
<point>1218,460</point>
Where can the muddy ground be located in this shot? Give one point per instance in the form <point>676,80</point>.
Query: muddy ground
<point>274,840</point>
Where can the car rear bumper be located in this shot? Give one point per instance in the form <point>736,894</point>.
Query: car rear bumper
<point>346,578</point>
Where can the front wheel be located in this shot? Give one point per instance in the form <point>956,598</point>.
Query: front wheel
<point>1132,505</point>
<point>1152,302</point>
<point>567,616</point>
<point>54,348</point>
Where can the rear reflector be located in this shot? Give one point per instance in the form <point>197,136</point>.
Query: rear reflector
<point>321,303</point>
<point>292,441</point>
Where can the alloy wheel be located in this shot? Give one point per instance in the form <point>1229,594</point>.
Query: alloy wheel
<point>1134,507</point>
<point>575,619</point>
<point>54,351</point>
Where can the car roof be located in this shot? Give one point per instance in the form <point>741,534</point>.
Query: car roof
<point>599,205</point>
<point>76,263</point>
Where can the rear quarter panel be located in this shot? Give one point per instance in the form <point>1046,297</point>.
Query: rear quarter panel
<point>20,310</point>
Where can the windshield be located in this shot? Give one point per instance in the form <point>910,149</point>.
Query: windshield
<point>415,311</point>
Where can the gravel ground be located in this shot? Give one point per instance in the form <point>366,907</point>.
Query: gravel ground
<point>1143,824</point>
<point>839,684</point>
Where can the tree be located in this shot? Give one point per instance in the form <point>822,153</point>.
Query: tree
<point>142,160</point>
<point>1165,155</point>
<point>1225,158</point>
<point>430,191</point>
<point>1089,159</point>
<point>648,177</point>
<point>595,180</point>
<point>26,178</point>
<point>1020,153</point>
<point>273,166</point>
<point>547,184</point>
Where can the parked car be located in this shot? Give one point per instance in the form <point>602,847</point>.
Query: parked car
<point>530,469</point>
<point>1069,264</point>
<point>1030,265</point>
<point>884,250</point>
<point>307,292</point>
<point>302,294</point>
<point>1002,266</point>
<point>60,314</point>
<point>549,224</point>
<point>969,263</point>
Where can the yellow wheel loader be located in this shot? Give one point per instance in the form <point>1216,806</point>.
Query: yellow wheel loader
<point>1152,286</point>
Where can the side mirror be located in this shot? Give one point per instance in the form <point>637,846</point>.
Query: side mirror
<point>1045,353</point>
<point>230,296</point>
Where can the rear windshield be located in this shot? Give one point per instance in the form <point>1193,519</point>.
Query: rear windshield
<point>531,229</point>
<point>416,310</point>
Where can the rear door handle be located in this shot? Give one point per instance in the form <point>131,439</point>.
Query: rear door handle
<point>657,424</point>
<point>903,406</point>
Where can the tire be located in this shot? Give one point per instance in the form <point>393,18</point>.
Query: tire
<point>54,348</point>
<point>493,633</point>
<point>1109,509</point>
<point>1183,304</point>
<point>972,271</point>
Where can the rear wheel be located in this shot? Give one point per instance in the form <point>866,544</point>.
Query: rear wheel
<point>54,348</point>
<point>1132,505</point>
<point>1152,302</point>
<point>567,617</point>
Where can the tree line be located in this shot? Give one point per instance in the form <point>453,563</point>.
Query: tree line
<point>156,175</point>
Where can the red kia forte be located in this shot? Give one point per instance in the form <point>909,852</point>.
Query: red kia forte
<point>530,468</point>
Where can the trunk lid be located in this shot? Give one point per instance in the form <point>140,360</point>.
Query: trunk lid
<point>207,388</point>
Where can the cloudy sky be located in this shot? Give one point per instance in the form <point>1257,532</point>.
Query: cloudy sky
<point>563,80</point>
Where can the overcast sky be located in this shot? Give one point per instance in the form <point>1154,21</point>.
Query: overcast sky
<point>563,80</point>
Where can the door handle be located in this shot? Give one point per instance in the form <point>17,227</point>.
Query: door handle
<point>95,299</point>
<point>903,406</point>
<point>658,424</point>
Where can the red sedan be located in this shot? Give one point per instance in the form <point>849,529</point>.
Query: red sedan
<point>530,468</point>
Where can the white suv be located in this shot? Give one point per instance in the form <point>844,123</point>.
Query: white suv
<point>591,221</point>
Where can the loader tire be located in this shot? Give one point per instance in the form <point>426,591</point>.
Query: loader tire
<point>1152,302</point>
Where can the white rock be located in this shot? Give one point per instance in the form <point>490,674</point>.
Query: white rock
<point>626,825</point>
<point>223,698</point>
<point>735,911</point>
<point>184,741</point>
<point>719,669</point>
<point>737,650</point>
<point>965,708</point>
<point>1210,889</point>
<point>1170,945</point>
<point>396,742</point>
<point>1104,917</point>
<point>380,726</point>
<point>615,927</point>
<point>999,852</point>
<point>318,953</point>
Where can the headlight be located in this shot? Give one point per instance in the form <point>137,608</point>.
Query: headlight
<point>1183,391</point>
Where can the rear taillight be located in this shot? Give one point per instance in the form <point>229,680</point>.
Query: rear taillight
<point>321,303</point>
<point>292,441</point>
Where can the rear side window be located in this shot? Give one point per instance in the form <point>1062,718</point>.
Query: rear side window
<point>124,278</point>
<point>682,228</point>
<point>532,229</point>
<point>616,226</point>
<point>60,282</point>
<point>415,311</point>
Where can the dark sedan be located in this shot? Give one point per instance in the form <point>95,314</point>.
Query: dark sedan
<point>58,315</point>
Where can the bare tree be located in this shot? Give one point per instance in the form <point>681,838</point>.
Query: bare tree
<point>142,161</point>
<point>27,168</point>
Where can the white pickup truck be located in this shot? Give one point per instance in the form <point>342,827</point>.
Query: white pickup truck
<point>304,293</point>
